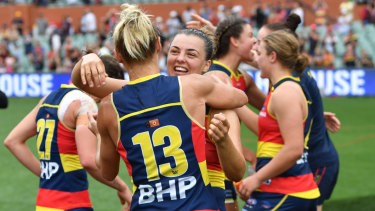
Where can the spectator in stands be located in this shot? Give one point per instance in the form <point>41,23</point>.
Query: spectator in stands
<point>111,20</point>
<point>365,60</point>
<point>205,11</point>
<point>328,59</point>
<point>42,24</point>
<point>345,18</point>
<point>214,17</point>
<point>365,14</point>
<point>349,57</point>
<point>173,23</point>
<point>13,34</point>
<point>313,40</point>
<point>163,55</point>
<point>258,16</point>
<point>54,54</point>
<point>72,57</point>
<point>4,53</point>
<point>65,29</point>
<point>317,58</point>
<point>351,38</point>
<point>186,14</point>
<point>320,8</point>
<point>4,32</point>
<point>107,48</point>
<point>298,9</point>
<point>221,12</point>
<point>88,22</point>
<point>38,57</point>
<point>372,13</point>
<point>160,25</point>
<point>18,21</point>
<point>330,40</point>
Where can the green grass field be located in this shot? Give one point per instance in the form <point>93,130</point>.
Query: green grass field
<point>355,142</point>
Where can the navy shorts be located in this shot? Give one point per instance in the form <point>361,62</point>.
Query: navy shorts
<point>230,192</point>
<point>82,209</point>
<point>220,197</point>
<point>279,202</point>
<point>326,178</point>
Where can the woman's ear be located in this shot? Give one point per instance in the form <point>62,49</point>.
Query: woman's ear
<point>207,66</point>
<point>273,57</point>
<point>234,41</point>
<point>158,46</point>
<point>117,56</point>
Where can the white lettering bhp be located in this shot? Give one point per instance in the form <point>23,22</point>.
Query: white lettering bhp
<point>149,193</point>
<point>48,169</point>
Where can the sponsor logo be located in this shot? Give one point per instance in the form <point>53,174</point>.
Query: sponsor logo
<point>150,193</point>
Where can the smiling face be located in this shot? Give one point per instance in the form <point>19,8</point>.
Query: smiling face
<point>186,55</point>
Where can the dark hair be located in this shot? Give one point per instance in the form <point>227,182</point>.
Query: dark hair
<point>111,65</point>
<point>230,27</point>
<point>291,24</point>
<point>208,44</point>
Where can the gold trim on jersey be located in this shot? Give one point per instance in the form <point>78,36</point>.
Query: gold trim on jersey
<point>307,138</point>
<point>216,178</point>
<point>67,86</point>
<point>118,121</point>
<point>184,107</point>
<point>280,203</point>
<point>268,149</point>
<point>146,78</point>
<point>49,105</point>
<point>149,109</point>
<point>307,101</point>
<point>236,75</point>
<point>39,208</point>
<point>70,162</point>
<point>203,168</point>
<point>310,194</point>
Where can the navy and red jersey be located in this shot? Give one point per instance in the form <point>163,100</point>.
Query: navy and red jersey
<point>297,181</point>
<point>162,146</point>
<point>63,180</point>
<point>238,79</point>
<point>322,151</point>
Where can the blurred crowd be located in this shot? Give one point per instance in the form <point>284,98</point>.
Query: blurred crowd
<point>55,46</point>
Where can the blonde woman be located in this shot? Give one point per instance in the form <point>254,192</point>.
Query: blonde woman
<point>159,131</point>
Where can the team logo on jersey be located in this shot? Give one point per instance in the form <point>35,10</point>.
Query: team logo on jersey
<point>153,123</point>
<point>47,115</point>
<point>266,205</point>
<point>251,201</point>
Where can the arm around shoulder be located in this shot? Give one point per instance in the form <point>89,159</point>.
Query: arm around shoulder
<point>216,94</point>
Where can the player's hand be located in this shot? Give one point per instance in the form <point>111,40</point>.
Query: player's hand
<point>125,197</point>
<point>247,186</point>
<point>199,23</point>
<point>92,70</point>
<point>332,122</point>
<point>219,127</point>
<point>92,123</point>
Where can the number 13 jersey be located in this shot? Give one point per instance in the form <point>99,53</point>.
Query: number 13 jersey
<point>163,148</point>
